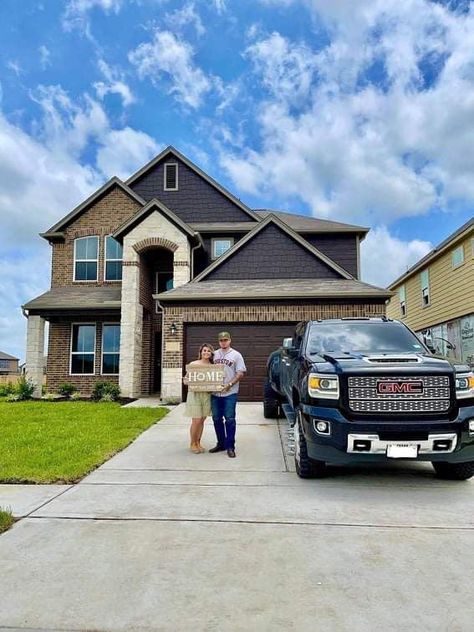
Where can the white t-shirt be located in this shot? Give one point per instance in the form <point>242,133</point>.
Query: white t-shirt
<point>233,363</point>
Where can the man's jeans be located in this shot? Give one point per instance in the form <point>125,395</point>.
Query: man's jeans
<point>224,408</point>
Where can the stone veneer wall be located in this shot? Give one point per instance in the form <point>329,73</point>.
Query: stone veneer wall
<point>233,313</point>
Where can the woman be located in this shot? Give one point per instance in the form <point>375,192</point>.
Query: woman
<point>198,404</point>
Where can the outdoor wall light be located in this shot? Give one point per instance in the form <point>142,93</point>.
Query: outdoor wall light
<point>173,329</point>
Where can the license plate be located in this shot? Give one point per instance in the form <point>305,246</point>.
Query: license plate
<point>402,450</point>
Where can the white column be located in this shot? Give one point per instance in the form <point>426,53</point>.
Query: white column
<point>35,352</point>
<point>131,325</point>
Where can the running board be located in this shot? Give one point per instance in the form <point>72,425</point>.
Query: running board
<point>289,414</point>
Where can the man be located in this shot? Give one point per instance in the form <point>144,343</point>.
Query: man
<point>223,404</point>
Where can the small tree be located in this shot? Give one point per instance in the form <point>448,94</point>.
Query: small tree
<point>66,389</point>
<point>105,391</point>
<point>24,389</point>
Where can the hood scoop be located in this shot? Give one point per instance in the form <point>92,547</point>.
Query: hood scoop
<point>393,359</point>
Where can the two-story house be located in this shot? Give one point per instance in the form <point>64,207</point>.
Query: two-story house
<point>8,364</point>
<point>435,297</point>
<point>143,271</point>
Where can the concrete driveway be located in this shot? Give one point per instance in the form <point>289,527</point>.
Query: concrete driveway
<point>161,539</point>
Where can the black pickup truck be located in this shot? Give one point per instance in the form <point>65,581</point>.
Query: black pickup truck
<point>368,390</point>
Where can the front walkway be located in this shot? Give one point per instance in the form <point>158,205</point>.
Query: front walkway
<point>159,538</point>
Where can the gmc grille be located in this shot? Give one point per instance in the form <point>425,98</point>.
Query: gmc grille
<point>364,395</point>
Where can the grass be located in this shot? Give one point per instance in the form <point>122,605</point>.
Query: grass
<point>6,520</point>
<point>60,442</point>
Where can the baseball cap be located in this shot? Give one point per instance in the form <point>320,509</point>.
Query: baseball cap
<point>224,334</point>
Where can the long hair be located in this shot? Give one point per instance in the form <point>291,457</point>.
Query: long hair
<point>211,359</point>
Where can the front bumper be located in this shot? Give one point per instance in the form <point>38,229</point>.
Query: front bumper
<point>337,447</point>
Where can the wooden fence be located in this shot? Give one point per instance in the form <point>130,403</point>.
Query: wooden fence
<point>12,378</point>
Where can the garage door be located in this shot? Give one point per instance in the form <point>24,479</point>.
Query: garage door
<point>255,341</point>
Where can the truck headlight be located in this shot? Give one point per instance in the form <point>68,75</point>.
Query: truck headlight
<point>464,385</point>
<point>326,386</point>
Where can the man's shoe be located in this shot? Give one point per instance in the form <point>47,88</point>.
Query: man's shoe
<point>216,448</point>
<point>231,454</point>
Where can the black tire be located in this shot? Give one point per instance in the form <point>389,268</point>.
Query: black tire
<point>454,471</point>
<point>305,467</point>
<point>271,402</point>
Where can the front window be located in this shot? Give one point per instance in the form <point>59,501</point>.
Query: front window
<point>220,246</point>
<point>113,259</point>
<point>457,257</point>
<point>362,337</point>
<point>110,349</point>
<point>402,297</point>
<point>163,282</point>
<point>83,350</point>
<point>4,364</point>
<point>86,251</point>
<point>425,288</point>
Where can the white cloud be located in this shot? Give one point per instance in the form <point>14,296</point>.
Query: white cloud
<point>375,125</point>
<point>76,12</point>
<point>180,18</point>
<point>123,151</point>
<point>45,56</point>
<point>220,5</point>
<point>168,56</point>
<point>114,84</point>
<point>15,66</point>
<point>397,256</point>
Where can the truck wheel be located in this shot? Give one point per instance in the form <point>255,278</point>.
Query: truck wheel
<point>271,403</point>
<point>454,471</point>
<point>305,467</point>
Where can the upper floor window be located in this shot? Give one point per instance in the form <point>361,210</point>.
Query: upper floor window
<point>220,246</point>
<point>457,256</point>
<point>110,349</point>
<point>83,349</point>
<point>425,288</point>
<point>402,297</point>
<point>86,251</point>
<point>113,259</point>
<point>171,176</point>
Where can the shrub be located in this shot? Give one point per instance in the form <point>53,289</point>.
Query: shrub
<point>67,389</point>
<point>6,389</point>
<point>49,397</point>
<point>102,389</point>
<point>13,397</point>
<point>75,396</point>
<point>24,388</point>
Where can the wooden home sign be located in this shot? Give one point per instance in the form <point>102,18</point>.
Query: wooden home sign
<point>209,379</point>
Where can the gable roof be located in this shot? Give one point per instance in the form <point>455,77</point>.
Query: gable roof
<point>171,150</point>
<point>155,205</point>
<point>55,231</point>
<point>307,224</point>
<point>5,356</point>
<point>436,252</point>
<point>272,219</point>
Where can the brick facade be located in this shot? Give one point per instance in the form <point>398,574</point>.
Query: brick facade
<point>101,219</point>
<point>59,354</point>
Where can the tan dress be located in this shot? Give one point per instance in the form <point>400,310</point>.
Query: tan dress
<point>198,404</point>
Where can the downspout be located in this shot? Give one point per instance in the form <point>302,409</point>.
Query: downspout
<point>191,265</point>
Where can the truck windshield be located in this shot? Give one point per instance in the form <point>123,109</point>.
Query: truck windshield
<point>362,337</point>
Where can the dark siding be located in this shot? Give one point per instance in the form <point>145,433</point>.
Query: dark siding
<point>203,257</point>
<point>342,249</point>
<point>272,254</point>
<point>195,201</point>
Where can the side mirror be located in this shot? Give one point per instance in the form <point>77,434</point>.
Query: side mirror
<point>287,343</point>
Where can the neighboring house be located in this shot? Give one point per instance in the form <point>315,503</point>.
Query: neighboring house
<point>435,297</point>
<point>8,364</point>
<point>146,270</point>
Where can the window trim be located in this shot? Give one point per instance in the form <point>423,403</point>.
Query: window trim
<point>427,287</point>
<point>170,164</point>
<point>116,324</point>
<point>79,260</point>
<point>106,260</point>
<point>216,239</point>
<point>458,265</point>
<point>71,352</point>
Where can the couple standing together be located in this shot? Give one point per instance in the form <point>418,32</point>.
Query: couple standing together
<point>200,405</point>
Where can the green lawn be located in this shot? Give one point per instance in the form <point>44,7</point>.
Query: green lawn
<point>6,520</point>
<point>59,442</point>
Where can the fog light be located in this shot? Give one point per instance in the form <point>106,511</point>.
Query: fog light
<point>322,427</point>
<point>471,426</point>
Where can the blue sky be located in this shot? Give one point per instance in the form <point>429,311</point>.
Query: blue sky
<point>356,110</point>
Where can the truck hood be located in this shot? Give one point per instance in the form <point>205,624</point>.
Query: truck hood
<point>381,362</point>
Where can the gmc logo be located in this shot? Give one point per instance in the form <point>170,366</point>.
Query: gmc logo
<point>389,387</point>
